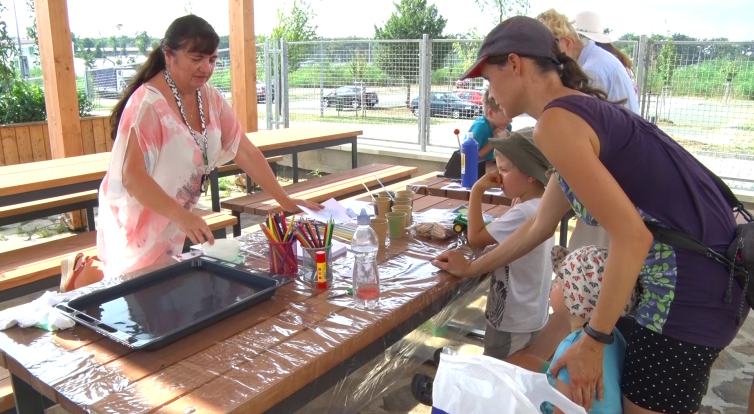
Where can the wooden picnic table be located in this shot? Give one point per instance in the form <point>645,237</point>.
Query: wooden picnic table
<point>291,141</point>
<point>42,180</point>
<point>274,357</point>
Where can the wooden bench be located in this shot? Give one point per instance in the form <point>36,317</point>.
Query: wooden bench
<point>338,185</point>
<point>34,268</point>
<point>85,200</point>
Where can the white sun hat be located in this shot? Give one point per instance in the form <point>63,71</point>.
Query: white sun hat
<point>589,24</point>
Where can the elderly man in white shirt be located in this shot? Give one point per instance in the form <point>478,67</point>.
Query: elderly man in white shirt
<point>606,72</point>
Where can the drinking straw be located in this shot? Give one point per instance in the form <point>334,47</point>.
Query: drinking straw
<point>385,188</point>
<point>368,192</point>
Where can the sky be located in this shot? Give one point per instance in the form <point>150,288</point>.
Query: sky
<point>342,18</point>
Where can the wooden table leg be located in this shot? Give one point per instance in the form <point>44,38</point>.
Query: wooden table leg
<point>214,179</point>
<point>28,400</point>
<point>294,160</point>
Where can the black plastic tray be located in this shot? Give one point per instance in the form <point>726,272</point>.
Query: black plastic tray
<point>157,308</point>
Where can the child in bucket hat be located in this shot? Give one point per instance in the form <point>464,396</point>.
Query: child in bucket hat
<point>575,290</point>
<point>518,300</point>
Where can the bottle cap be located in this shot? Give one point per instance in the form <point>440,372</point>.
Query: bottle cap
<point>321,257</point>
<point>363,218</point>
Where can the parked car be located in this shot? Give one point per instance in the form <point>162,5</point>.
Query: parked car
<point>262,93</point>
<point>463,84</point>
<point>448,104</point>
<point>352,97</point>
<point>471,95</point>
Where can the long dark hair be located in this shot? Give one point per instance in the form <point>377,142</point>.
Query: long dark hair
<point>191,32</point>
<point>570,72</point>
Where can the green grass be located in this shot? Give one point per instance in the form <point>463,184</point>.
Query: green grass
<point>708,79</point>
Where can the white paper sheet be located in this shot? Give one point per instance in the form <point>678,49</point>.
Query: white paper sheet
<point>331,209</point>
<point>336,250</point>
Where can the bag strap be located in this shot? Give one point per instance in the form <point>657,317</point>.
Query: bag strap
<point>685,241</point>
<point>733,201</point>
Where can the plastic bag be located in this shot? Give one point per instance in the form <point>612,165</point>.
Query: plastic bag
<point>478,384</point>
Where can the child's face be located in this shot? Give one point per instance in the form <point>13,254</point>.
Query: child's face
<point>498,118</point>
<point>515,183</point>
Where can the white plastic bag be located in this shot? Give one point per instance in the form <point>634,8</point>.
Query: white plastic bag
<point>477,384</point>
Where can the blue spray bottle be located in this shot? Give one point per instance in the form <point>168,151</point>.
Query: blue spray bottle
<point>469,161</point>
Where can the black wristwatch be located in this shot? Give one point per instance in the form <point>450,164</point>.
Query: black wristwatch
<point>598,336</point>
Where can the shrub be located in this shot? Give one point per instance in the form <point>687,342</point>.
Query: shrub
<point>25,102</point>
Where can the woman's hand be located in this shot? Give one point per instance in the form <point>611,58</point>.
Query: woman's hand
<point>195,227</point>
<point>453,262</point>
<point>584,363</point>
<point>291,204</point>
<point>488,181</point>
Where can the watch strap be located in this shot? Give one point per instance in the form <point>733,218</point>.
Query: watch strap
<point>598,336</point>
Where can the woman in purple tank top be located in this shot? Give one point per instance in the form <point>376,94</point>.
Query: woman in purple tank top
<point>616,170</point>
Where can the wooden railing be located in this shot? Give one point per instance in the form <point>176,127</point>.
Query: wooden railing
<point>29,142</point>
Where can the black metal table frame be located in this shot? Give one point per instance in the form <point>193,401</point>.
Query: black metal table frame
<point>43,194</point>
<point>293,152</point>
<point>28,400</point>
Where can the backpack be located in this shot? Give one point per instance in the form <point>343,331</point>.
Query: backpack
<point>739,257</point>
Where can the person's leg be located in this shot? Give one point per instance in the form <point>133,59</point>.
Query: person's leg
<point>78,271</point>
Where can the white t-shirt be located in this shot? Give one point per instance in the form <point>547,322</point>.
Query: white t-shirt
<point>519,297</point>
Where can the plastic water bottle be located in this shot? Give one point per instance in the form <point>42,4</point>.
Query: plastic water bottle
<point>469,161</point>
<point>366,279</point>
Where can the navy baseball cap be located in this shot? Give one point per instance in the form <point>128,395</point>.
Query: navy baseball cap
<point>521,35</point>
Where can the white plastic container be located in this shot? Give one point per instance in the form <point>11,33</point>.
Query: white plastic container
<point>224,249</point>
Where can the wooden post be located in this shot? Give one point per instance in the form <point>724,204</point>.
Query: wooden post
<point>61,98</point>
<point>243,61</point>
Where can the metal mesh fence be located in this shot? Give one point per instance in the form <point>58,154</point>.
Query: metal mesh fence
<point>361,84</point>
<point>453,103</point>
<point>702,95</point>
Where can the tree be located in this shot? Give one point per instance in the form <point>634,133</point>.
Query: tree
<point>143,41</point>
<point>7,52</point>
<point>607,30</point>
<point>411,20</point>
<point>295,26</point>
<point>503,9</point>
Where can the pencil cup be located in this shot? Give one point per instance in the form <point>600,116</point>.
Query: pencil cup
<point>310,263</point>
<point>283,258</point>
<point>382,206</point>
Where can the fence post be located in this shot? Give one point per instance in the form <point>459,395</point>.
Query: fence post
<point>268,83</point>
<point>284,89</point>
<point>642,63</point>
<point>425,88</point>
<point>321,79</point>
<point>87,86</point>
<point>276,77</point>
